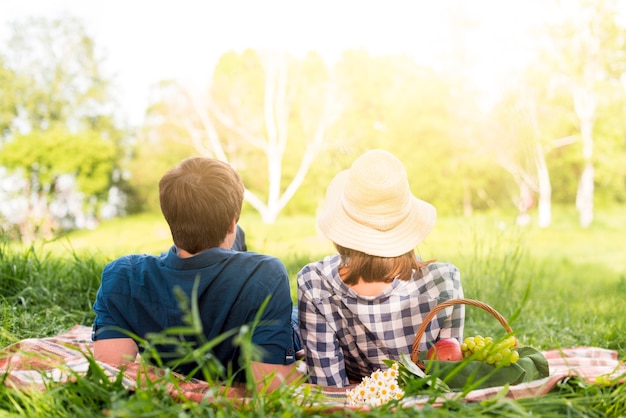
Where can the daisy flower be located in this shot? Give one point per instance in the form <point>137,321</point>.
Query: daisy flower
<point>377,389</point>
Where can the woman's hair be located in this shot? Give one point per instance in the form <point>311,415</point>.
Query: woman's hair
<point>200,198</point>
<point>356,265</point>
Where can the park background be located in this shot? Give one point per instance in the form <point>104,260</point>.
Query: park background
<point>490,105</point>
<point>508,115</point>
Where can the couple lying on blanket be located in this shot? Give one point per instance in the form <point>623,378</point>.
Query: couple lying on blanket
<point>355,308</point>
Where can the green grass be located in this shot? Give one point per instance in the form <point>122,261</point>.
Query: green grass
<point>559,287</point>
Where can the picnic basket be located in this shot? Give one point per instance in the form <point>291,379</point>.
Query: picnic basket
<point>531,365</point>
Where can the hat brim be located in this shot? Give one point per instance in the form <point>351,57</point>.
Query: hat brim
<point>343,230</point>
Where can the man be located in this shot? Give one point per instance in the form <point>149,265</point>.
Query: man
<point>201,201</point>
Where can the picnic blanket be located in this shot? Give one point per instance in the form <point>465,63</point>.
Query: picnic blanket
<point>35,361</point>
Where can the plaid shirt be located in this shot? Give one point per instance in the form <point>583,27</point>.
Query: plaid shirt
<point>347,336</point>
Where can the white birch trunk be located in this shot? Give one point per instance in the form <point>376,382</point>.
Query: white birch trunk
<point>585,107</point>
<point>544,203</point>
<point>276,116</point>
<point>534,179</point>
<point>584,196</point>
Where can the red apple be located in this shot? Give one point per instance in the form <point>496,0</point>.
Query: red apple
<point>448,349</point>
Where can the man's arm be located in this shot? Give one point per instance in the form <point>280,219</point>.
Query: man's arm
<point>279,373</point>
<point>115,351</point>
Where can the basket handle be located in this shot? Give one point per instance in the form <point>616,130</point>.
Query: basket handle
<point>415,352</point>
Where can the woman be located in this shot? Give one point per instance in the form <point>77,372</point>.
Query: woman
<point>365,304</point>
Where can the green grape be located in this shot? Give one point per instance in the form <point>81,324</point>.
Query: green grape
<point>511,341</point>
<point>500,353</point>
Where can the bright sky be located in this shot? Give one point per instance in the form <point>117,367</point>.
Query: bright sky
<point>148,41</point>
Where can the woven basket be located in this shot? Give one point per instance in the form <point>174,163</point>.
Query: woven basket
<point>415,353</point>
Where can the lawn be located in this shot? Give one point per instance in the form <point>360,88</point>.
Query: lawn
<point>563,286</point>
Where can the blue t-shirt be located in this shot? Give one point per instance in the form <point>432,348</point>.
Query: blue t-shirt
<point>137,294</point>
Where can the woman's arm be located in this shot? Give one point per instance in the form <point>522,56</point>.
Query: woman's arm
<point>324,356</point>
<point>454,322</point>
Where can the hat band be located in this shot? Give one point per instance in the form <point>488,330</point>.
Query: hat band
<point>383,223</point>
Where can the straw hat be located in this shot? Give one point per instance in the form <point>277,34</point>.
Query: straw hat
<point>370,208</point>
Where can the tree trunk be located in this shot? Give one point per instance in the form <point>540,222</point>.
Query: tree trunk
<point>584,196</point>
<point>277,102</point>
<point>585,106</point>
<point>544,205</point>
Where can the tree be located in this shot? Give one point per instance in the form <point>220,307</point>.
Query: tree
<point>393,103</point>
<point>8,111</point>
<point>521,148</point>
<point>58,171</point>
<point>587,57</point>
<point>59,76</point>
<point>58,127</point>
<point>266,113</point>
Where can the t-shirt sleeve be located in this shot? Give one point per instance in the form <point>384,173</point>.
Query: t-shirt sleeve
<point>274,333</point>
<point>107,324</point>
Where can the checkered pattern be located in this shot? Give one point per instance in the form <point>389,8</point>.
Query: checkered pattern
<point>347,336</point>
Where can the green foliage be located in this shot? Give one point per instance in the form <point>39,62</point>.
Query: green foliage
<point>61,78</point>
<point>42,159</point>
<point>45,156</point>
<point>392,103</point>
<point>153,155</point>
<point>566,165</point>
<point>239,87</point>
<point>57,117</point>
<point>8,110</point>
<point>264,113</point>
<point>458,156</point>
<point>51,74</point>
<point>610,150</point>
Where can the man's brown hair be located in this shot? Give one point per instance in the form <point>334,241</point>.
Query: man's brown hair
<point>200,198</point>
<point>357,265</point>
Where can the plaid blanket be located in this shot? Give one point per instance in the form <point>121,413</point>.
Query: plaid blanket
<point>36,361</point>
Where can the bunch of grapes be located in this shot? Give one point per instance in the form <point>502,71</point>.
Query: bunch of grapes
<point>501,353</point>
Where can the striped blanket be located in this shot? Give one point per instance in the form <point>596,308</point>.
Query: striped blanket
<point>36,361</point>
